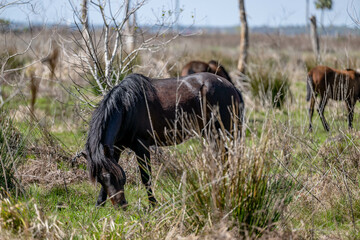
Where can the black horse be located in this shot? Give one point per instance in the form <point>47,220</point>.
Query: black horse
<point>140,111</point>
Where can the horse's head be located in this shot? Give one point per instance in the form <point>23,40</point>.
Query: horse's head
<point>113,179</point>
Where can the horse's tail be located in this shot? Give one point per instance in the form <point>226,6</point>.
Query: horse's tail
<point>99,155</point>
<point>309,88</point>
<point>241,109</point>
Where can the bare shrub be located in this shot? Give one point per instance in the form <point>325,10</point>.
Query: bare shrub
<point>104,67</point>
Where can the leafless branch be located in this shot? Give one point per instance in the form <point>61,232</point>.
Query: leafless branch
<point>5,3</point>
<point>103,53</point>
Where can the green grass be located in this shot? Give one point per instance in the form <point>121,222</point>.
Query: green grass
<point>73,140</point>
<point>74,206</point>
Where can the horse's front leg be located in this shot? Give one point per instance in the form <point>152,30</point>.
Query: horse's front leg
<point>143,158</point>
<point>101,200</point>
<point>350,104</point>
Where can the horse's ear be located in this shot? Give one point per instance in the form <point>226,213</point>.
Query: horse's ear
<point>107,151</point>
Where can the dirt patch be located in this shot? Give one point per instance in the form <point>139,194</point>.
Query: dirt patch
<point>49,173</point>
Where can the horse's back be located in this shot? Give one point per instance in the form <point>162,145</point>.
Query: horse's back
<point>194,67</point>
<point>336,84</point>
<point>193,82</point>
<point>187,94</point>
<point>217,90</point>
<point>189,87</point>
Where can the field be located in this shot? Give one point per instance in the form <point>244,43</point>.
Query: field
<point>280,181</point>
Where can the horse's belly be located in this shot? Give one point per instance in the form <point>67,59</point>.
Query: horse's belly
<point>176,128</point>
<point>341,94</point>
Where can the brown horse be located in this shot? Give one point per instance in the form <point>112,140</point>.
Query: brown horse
<point>138,109</point>
<point>332,84</point>
<point>212,67</point>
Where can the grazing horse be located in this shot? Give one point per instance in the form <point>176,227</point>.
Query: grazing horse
<point>332,84</point>
<point>212,67</point>
<point>138,109</point>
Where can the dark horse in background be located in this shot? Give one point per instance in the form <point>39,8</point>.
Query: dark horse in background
<point>211,67</point>
<point>138,109</point>
<point>332,84</point>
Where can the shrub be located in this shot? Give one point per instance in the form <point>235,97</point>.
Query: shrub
<point>13,216</point>
<point>11,150</point>
<point>310,63</point>
<point>269,85</point>
<point>26,221</point>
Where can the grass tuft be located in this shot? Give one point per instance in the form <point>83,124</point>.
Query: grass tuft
<point>269,84</point>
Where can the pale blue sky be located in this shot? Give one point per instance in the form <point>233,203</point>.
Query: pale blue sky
<point>202,12</point>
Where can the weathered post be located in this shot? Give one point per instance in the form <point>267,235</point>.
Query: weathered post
<point>315,39</point>
<point>244,38</point>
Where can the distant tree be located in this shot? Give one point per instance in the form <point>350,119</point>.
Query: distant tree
<point>307,14</point>
<point>4,25</point>
<point>129,29</point>
<point>323,5</point>
<point>244,38</point>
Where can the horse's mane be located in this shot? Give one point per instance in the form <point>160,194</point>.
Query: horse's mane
<point>121,98</point>
<point>221,68</point>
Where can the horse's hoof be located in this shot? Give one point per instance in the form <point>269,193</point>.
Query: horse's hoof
<point>124,205</point>
<point>153,202</point>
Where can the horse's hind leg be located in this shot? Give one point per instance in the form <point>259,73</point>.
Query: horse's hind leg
<point>350,107</point>
<point>321,109</point>
<point>311,112</point>
<point>143,158</point>
<point>101,200</point>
